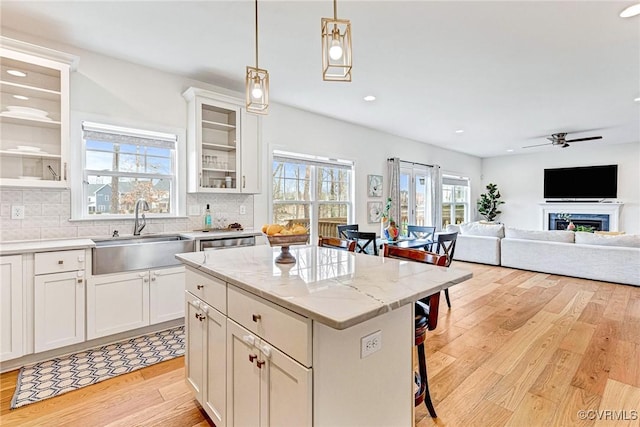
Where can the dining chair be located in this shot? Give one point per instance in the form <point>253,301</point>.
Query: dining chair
<point>364,240</point>
<point>343,228</point>
<point>420,231</point>
<point>445,244</point>
<point>336,243</point>
<point>425,318</point>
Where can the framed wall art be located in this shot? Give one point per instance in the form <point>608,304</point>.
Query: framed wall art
<point>374,185</point>
<point>374,212</point>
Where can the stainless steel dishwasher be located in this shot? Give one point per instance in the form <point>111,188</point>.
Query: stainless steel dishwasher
<point>227,242</point>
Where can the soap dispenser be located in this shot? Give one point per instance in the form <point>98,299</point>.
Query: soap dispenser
<point>207,218</point>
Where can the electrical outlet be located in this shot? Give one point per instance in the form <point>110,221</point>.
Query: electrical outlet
<point>17,212</point>
<point>243,210</point>
<point>370,344</point>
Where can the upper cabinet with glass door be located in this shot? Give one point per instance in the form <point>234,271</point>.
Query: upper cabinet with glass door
<point>222,144</point>
<point>34,115</point>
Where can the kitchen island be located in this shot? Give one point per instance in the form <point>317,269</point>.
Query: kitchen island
<point>326,341</point>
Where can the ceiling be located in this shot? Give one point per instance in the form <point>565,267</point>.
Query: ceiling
<point>507,73</point>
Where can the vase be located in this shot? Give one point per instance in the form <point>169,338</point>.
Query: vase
<point>391,232</point>
<point>571,226</point>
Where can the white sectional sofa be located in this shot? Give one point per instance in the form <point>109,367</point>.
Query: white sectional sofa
<point>478,242</point>
<point>611,258</point>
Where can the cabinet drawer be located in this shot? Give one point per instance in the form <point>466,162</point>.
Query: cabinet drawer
<point>209,289</point>
<point>58,262</point>
<point>281,327</point>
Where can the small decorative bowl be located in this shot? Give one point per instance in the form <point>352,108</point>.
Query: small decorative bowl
<point>284,242</point>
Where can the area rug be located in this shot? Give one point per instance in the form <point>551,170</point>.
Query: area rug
<point>54,377</point>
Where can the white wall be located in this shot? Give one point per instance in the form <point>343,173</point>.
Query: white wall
<point>520,180</point>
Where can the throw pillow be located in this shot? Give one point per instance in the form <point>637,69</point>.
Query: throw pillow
<point>626,240</point>
<point>480,229</point>
<point>451,228</point>
<point>547,236</point>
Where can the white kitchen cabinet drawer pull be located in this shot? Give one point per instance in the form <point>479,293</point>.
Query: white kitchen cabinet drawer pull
<point>196,303</point>
<point>256,317</point>
<point>80,259</point>
<point>142,274</point>
<point>249,339</point>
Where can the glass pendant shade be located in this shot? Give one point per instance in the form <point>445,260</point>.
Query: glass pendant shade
<point>336,50</point>
<point>257,90</point>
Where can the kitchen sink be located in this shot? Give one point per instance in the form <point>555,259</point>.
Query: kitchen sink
<point>118,254</point>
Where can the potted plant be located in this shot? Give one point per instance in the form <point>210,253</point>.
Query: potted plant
<point>489,203</point>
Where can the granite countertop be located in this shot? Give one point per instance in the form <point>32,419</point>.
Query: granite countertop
<point>15,248</point>
<point>337,288</point>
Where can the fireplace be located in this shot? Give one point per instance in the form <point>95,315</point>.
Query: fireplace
<point>596,222</point>
<point>601,216</point>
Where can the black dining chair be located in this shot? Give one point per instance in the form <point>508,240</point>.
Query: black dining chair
<point>364,240</point>
<point>343,228</point>
<point>445,244</point>
<point>425,318</point>
<point>420,232</point>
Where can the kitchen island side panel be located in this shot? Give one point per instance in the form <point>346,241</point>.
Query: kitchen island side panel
<point>376,390</point>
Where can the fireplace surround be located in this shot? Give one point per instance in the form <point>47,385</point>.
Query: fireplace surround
<point>604,216</point>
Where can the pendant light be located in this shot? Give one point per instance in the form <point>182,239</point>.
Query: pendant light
<point>257,83</point>
<point>336,48</point>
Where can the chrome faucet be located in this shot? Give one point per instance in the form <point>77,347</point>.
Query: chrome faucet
<point>137,227</point>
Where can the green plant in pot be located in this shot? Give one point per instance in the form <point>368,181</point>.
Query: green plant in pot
<point>489,203</point>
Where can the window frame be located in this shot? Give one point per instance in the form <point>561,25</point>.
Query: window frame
<point>77,175</point>
<point>454,182</point>
<point>314,204</point>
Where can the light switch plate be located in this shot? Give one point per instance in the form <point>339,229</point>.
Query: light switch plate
<point>17,212</point>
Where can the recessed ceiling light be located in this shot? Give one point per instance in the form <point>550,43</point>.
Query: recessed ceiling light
<point>632,10</point>
<point>460,131</point>
<point>510,150</point>
<point>17,73</point>
<point>369,98</point>
<point>21,97</point>
<point>637,99</point>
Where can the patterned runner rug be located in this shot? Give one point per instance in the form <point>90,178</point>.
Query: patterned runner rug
<point>54,377</point>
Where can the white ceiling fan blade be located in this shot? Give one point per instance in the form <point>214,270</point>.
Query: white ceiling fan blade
<point>537,145</point>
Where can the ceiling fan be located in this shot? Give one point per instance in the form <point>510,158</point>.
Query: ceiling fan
<point>559,140</point>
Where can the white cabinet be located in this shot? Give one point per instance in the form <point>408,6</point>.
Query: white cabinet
<point>11,307</point>
<point>222,144</point>
<point>125,301</point>
<point>166,292</point>
<point>59,299</point>
<point>59,310</point>
<point>265,387</point>
<point>206,357</point>
<point>34,115</point>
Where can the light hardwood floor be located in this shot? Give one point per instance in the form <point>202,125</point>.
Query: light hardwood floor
<point>517,348</point>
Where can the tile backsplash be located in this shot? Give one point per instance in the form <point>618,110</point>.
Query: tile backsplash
<point>47,214</point>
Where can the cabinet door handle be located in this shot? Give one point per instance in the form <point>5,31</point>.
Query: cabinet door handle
<point>79,280</point>
<point>65,171</point>
<point>252,357</point>
<point>60,262</point>
<point>200,317</point>
<point>145,280</point>
<point>244,181</point>
<point>260,363</point>
<point>256,317</point>
<point>153,279</point>
<point>200,286</point>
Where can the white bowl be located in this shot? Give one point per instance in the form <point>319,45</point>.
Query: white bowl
<point>28,148</point>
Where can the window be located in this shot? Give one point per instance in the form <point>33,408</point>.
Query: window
<point>415,202</point>
<point>455,200</point>
<point>312,191</point>
<point>122,165</point>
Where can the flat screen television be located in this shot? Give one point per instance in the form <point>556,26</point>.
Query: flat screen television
<point>587,182</point>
